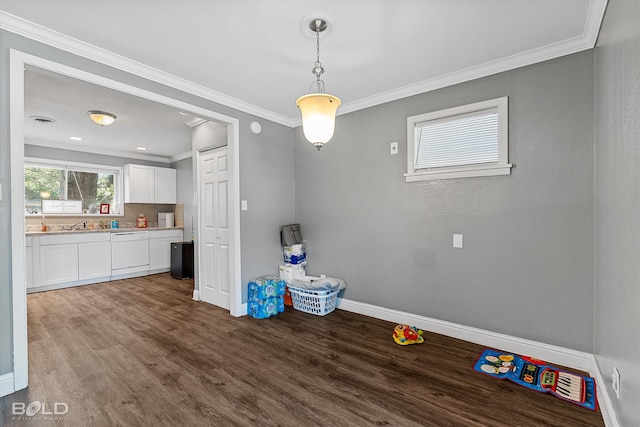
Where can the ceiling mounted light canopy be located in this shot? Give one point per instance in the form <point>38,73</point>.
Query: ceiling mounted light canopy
<point>318,108</point>
<point>102,117</point>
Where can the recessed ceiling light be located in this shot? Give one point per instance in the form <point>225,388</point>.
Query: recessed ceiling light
<point>75,138</point>
<point>43,120</point>
<point>141,148</point>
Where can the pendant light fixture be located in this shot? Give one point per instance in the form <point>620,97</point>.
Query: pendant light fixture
<point>318,108</point>
<point>102,117</point>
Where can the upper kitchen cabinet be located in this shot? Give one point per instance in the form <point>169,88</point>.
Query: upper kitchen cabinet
<point>148,184</point>
<point>165,190</point>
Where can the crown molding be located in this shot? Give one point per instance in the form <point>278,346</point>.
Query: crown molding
<point>96,150</point>
<point>58,40</point>
<point>577,44</point>
<point>181,156</point>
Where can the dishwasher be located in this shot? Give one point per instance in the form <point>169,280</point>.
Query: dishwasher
<point>129,252</point>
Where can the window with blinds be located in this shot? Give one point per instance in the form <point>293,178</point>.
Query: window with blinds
<point>459,142</point>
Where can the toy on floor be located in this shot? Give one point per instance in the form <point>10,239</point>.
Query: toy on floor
<point>537,375</point>
<point>405,335</point>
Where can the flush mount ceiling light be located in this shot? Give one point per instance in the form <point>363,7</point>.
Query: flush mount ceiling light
<point>102,117</point>
<point>318,108</point>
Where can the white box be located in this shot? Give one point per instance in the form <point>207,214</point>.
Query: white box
<point>165,219</point>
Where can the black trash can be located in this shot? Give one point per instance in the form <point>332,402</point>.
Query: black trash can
<point>182,260</point>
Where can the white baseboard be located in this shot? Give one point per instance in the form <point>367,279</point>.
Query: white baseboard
<point>196,295</point>
<point>604,400</point>
<point>243,310</point>
<point>68,285</point>
<point>6,384</point>
<point>549,353</point>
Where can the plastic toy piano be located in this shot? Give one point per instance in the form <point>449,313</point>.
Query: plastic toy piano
<point>537,375</point>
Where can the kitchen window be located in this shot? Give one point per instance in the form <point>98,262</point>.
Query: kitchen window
<point>68,188</point>
<point>466,141</point>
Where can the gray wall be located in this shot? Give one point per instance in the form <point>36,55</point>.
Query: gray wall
<point>184,177</point>
<point>617,153</point>
<point>526,268</point>
<point>266,175</point>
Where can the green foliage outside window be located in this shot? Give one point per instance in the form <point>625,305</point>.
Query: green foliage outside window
<point>93,188</point>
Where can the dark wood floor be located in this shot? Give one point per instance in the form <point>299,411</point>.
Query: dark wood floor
<point>142,352</point>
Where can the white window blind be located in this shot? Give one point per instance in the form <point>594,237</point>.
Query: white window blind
<point>460,140</point>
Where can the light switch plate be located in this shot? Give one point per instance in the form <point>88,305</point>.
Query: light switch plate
<point>244,205</point>
<point>393,148</point>
<point>615,381</point>
<point>457,240</point>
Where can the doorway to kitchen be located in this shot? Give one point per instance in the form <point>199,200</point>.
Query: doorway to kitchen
<point>18,61</point>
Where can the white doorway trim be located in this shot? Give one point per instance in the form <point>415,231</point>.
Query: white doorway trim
<point>18,61</point>
<point>236,307</point>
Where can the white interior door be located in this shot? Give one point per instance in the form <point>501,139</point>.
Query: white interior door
<point>214,244</point>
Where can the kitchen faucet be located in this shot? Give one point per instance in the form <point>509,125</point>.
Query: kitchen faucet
<point>75,226</point>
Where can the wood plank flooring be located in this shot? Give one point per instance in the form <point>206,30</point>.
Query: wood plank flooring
<point>142,352</point>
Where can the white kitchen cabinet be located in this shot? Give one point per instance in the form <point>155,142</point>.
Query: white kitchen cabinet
<point>165,189</point>
<point>58,264</point>
<point>28,277</point>
<point>148,184</point>
<point>160,248</point>
<point>94,259</point>
<point>65,259</point>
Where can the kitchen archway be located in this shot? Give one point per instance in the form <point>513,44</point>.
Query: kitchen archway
<point>18,61</point>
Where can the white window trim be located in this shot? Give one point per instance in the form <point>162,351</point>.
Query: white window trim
<point>501,167</point>
<point>84,167</point>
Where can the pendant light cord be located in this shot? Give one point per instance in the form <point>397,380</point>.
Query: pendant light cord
<point>318,69</point>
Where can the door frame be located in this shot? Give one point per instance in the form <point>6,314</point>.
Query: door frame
<point>18,60</point>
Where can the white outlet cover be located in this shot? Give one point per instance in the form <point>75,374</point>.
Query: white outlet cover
<point>244,205</point>
<point>457,240</point>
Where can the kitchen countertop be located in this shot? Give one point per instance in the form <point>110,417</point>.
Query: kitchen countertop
<point>95,230</point>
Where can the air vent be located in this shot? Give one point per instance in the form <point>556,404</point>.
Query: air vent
<point>43,120</point>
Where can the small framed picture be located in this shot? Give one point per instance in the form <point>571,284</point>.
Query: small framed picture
<point>104,208</point>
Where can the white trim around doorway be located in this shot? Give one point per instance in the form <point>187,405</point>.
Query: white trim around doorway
<point>18,61</point>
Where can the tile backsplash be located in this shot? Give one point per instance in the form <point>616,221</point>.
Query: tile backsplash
<point>127,220</point>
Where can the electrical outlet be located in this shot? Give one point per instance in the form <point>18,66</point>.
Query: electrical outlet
<point>393,148</point>
<point>615,381</point>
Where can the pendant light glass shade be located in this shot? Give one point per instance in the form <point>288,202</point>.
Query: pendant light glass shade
<point>318,108</point>
<point>102,117</point>
<point>318,117</point>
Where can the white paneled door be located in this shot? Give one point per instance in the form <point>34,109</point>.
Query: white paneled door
<point>214,244</point>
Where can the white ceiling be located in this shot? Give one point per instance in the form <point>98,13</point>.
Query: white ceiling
<point>256,56</point>
<point>161,129</point>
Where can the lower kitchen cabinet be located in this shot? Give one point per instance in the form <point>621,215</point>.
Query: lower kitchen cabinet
<point>56,261</point>
<point>61,260</point>
<point>28,277</point>
<point>160,248</point>
<point>58,264</point>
